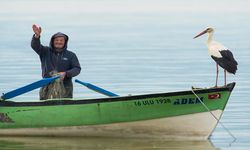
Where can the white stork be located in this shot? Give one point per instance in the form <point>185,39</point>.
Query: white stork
<point>220,54</point>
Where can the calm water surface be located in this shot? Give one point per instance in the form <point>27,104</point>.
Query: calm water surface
<point>131,47</point>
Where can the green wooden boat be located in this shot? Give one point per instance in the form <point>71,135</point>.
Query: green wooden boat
<point>173,115</point>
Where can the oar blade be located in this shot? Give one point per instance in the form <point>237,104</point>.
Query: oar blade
<point>28,87</point>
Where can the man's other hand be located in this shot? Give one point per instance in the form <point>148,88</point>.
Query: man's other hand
<point>62,75</point>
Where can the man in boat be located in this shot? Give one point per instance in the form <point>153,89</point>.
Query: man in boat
<point>56,60</point>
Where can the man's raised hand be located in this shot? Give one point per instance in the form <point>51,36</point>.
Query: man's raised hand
<point>37,30</point>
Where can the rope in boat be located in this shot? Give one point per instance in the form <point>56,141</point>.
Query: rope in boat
<point>214,116</point>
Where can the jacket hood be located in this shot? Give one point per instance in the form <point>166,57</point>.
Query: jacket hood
<point>59,34</point>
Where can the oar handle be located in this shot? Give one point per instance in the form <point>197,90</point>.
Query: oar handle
<point>81,82</point>
<point>96,88</point>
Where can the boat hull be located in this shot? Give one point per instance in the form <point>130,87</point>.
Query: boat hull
<point>164,115</point>
<point>196,126</point>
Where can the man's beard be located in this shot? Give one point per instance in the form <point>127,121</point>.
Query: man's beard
<point>58,49</point>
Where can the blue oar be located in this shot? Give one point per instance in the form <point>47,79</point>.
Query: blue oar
<point>96,88</point>
<point>28,88</point>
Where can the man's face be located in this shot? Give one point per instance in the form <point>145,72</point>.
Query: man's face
<point>59,42</point>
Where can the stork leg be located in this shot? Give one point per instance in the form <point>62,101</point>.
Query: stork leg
<point>217,72</point>
<point>225,77</point>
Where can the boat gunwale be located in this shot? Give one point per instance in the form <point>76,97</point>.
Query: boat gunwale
<point>229,87</point>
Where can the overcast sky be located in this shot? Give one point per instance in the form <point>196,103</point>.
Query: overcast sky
<point>125,6</point>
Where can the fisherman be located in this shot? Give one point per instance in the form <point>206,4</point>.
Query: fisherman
<point>56,60</point>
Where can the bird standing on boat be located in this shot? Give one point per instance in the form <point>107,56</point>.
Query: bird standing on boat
<point>220,54</point>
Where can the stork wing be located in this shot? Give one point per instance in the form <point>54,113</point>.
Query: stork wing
<point>227,54</point>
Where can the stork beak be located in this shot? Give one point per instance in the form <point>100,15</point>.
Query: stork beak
<point>203,32</point>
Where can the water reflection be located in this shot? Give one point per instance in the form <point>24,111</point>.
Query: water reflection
<point>72,143</point>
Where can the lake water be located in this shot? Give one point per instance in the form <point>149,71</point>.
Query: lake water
<point>131,47</point>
